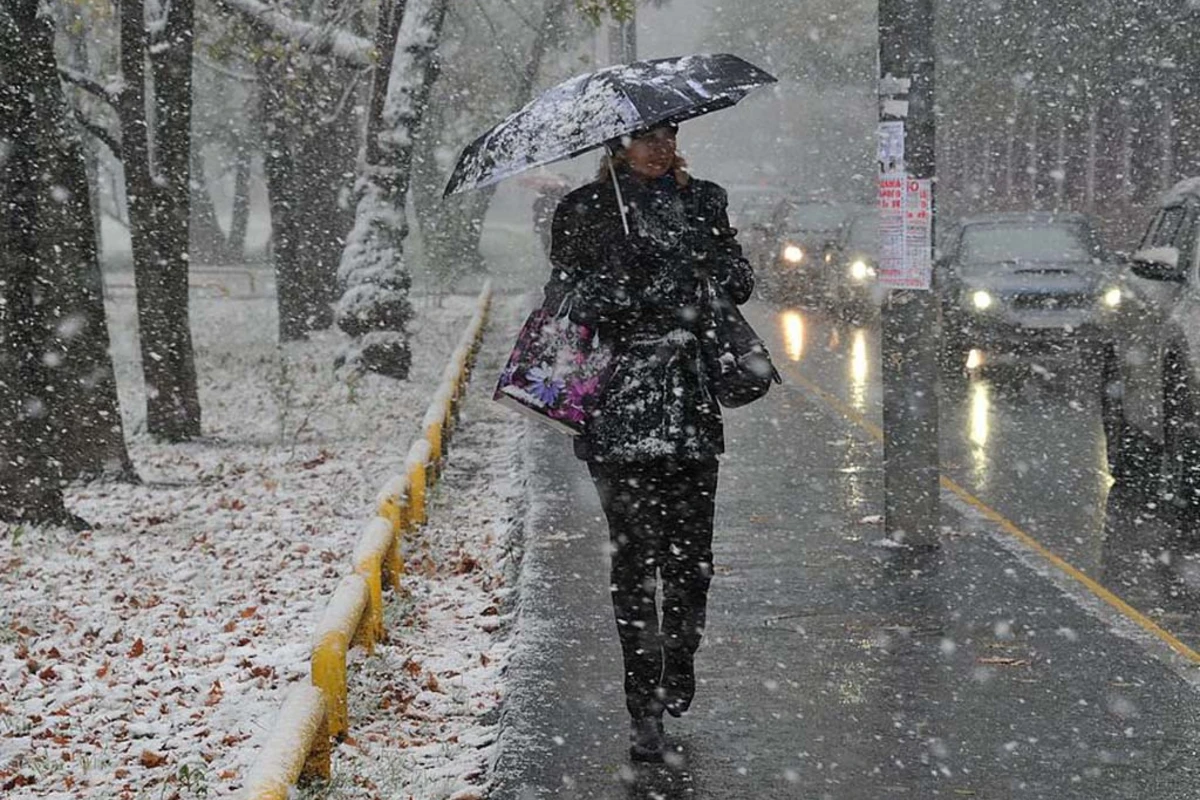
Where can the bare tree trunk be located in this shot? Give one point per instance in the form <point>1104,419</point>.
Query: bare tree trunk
<point>58,410</point>
<point>208,243</point>
<point>159,206</point>
<point>30,488</point>
<point>239,221</point>
<point>306,163</point>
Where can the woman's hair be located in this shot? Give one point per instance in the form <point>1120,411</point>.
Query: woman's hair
<point>615,155</point>
<point>619,160</point>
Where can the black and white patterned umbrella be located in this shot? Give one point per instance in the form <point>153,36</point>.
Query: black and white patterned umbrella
<point>583,113</point>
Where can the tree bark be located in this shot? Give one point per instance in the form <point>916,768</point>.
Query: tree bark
<point>83,403</point>
<point>49,286</point>
<point>239,220</point>
<point>374,309</point>
<point>208,242</point>
<point>158,196</point>
<point>306,165</point>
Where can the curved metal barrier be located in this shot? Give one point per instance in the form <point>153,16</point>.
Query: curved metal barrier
<point>299,744</point>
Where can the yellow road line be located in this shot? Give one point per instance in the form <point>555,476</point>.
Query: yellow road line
<point>1009,527</point>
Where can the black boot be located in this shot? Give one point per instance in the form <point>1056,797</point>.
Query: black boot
<point>646,738</point>
<point>678,683</point>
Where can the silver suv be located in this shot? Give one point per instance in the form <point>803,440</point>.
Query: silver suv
<point>1151,396</point>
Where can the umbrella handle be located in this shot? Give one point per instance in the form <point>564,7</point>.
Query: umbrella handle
<point>617,188</point>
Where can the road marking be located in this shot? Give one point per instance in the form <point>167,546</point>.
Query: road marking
<point>1011,528</point>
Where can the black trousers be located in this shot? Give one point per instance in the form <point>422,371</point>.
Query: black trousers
<point>660,522</point>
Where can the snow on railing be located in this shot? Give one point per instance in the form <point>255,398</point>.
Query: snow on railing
<point>298,746</point>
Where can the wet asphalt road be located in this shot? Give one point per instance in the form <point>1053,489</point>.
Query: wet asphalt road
<point>831,670</point>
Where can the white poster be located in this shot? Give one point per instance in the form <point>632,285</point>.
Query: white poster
<point>905,231</point>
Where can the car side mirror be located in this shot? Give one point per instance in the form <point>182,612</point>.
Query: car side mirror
<point>1158,264</point>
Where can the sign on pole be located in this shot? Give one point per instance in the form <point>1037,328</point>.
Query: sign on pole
<point>905,216</point>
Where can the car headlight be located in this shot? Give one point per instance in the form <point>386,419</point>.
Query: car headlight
<point>1112,298</point>
<point>861,270</point>
<point>793,254</point>
<point>982,300</point>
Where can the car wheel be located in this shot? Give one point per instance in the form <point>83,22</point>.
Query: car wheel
<point>1181,444</point>
<point>1132,461</point>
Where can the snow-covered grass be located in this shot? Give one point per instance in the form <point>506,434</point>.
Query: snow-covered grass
<point>147,658</point>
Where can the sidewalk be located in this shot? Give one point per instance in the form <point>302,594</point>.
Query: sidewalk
<point>828,670</point>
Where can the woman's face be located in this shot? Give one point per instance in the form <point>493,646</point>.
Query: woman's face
<point>652,154</point>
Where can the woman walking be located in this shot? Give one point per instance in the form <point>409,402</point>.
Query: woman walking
<point>652,444</point>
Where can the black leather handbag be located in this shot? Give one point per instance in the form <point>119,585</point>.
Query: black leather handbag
<point>736,360</point>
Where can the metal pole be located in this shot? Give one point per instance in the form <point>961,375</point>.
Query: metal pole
<point>910,315</point>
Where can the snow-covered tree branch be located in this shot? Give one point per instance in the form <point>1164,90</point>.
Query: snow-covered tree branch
<point>313,39</point>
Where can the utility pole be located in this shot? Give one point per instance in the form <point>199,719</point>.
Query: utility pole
<point>910,314</point>
<point>622,38</point>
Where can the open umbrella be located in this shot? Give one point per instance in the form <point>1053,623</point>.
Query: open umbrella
<point>584,112</point>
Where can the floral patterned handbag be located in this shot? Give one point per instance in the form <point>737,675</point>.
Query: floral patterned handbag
<point>556,372</point>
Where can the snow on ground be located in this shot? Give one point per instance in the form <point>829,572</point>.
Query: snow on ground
<point>146,658</point>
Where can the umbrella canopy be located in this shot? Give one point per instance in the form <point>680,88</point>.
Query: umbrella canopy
<point>584,112</point>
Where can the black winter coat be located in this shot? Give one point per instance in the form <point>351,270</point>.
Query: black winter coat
<point>643,294</point>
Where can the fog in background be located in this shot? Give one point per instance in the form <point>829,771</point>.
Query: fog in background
<point>791,137</point>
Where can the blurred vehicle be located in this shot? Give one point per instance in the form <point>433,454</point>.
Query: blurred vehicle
<point>803,246</point>
<point>1151,398</point>
<point>751,213</point>
<point>854,292</point>
<point>1037,287</point>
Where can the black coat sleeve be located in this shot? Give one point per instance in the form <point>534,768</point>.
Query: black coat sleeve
<point>723,256</point>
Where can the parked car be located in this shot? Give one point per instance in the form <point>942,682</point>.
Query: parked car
<point>804,244</point>
<point>1151,399</point>
<point>854,293</point>
<point>1035,287</point>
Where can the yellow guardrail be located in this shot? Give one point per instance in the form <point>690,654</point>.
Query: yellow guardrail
<point>298,747</point>
<point>299,743</point>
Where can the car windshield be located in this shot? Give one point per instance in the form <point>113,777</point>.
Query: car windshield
<point>991,244</point>
<point>814,217</point>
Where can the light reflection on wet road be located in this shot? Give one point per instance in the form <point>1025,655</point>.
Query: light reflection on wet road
<point>1028,445</point>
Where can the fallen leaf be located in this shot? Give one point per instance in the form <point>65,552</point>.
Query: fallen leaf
<point>247,613</point>
<point>1000,661</point>
<point>151,759</point>
<point>138,648</point>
